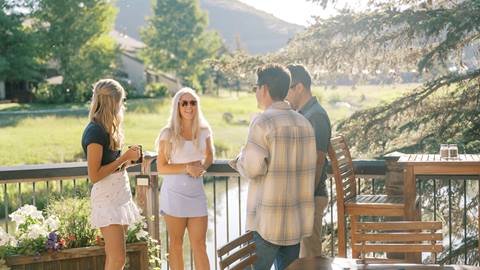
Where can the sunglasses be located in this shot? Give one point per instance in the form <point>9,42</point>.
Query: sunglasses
<point>184,103</point>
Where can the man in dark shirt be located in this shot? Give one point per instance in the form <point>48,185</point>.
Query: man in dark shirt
<point>301,99</point>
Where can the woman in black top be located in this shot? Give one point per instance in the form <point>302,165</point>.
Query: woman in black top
<point>111,200</point>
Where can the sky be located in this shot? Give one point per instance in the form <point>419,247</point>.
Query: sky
<point>293,11</point>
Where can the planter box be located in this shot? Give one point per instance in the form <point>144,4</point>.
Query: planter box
<point>88,258</point>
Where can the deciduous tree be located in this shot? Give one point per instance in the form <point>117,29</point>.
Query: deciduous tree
<point>18,51</point>
<point>74,34</point>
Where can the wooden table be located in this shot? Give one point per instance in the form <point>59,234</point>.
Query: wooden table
<point>325,263</point>
<point>424,164</point>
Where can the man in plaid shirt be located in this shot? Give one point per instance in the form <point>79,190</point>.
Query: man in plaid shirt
<point>279,159</point>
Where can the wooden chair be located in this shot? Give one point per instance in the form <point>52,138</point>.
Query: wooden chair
<point>397,236</point>
<point>244,253</point>
<point>349,203</point>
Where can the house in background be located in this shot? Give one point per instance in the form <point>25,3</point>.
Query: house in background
<point>15,91</point>
<point>134,68</point>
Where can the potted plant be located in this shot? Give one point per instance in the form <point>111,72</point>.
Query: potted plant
<point>61,238</point>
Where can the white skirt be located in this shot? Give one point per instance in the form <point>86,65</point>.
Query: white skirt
<point>111,202</point>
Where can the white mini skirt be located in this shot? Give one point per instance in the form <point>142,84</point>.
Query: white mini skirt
<point>112,203</point>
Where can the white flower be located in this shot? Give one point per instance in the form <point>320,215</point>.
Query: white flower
<point>6,239</point>
<point>27,212</point>
<point>141,223</point>
<point>13,241</point>
<point>36,231</point>
<point>18,218</point>
<point>32,211</point>
<point>24,212</point>
<point>141,235</point>
<point>52,223</point>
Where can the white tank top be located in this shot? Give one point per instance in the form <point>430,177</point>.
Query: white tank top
<point>188,152</point>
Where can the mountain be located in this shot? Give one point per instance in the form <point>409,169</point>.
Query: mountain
<point>238,24</point>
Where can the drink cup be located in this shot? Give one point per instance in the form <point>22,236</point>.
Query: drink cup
<point>453,151</point>
<point>444,151</point>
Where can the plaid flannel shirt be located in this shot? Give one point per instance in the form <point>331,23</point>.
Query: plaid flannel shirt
<point>279,159</point>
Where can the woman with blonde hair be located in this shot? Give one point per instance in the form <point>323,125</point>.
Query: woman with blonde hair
<point>185,151</point>
<point>111,199</point>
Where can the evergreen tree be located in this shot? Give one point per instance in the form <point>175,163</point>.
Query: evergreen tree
<point>438,38</point>
<point>177,40</point>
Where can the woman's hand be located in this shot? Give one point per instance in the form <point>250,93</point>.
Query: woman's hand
<point>129,164</point>
<point>195,169</point>
<point>133,153</point>
<point>195,163</point>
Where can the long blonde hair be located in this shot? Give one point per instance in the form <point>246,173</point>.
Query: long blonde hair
<point>107,109</point>
<point>172,131</point>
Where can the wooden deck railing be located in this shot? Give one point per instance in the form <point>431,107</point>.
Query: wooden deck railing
<point>226,191</point>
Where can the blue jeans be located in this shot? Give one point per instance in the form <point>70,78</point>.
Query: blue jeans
<point>269,253</point>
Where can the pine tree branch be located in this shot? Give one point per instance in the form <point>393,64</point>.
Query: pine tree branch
<point>380,129</point>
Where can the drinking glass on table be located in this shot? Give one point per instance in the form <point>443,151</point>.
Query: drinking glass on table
<point>453,151</point>
<point>444,151</point>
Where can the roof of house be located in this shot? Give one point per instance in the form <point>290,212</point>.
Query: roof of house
<point>130,47</point>
<point>55,80</point>
<point>126,43</point>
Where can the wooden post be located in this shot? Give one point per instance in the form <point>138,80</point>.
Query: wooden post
<point>394,175</point>
<point>394,184</point>
<point>410,202</point>
<point>141,194</point>
<point>147,196</point>
<point>153,199</point>
<point>410,193</point>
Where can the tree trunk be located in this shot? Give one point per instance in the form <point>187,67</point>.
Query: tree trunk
<point>2,90</point>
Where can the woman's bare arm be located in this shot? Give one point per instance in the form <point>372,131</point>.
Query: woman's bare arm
<point>208,153</point>
<point>96,171</point>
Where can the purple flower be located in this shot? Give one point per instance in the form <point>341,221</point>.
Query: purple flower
<point>52,242</point>
<point>53,236</point>
<point>50,245</point>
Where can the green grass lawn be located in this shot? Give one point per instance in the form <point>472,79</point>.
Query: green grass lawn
<point>12,107</point>
<point>34,139</point>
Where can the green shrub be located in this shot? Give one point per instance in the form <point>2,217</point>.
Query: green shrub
<point>132,91</point>
<point>16,199</point>
<point>156,90</point>
<point>47,93</point>
<point>74,214</point>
